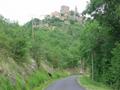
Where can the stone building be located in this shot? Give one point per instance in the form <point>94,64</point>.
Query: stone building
<point>64,9</point>
<point>55,14</point>
<point>64,12</point>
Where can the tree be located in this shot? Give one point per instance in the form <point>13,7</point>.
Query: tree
<point>94,38</point>
<point>114,76</point>
<point>106,12</point>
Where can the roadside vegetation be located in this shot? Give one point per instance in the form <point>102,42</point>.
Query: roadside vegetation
<point>89,84</point>
<point>36,81</point>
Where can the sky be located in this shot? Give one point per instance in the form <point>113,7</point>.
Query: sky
<point>24,10</point>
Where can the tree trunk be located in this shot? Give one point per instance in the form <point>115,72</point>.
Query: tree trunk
<point>92,63</point>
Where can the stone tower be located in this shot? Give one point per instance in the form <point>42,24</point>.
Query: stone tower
<point>75,13</point>
<point>76,10</point>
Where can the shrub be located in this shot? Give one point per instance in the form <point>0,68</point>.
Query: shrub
<point>37,78</point>
<point>5,83</point>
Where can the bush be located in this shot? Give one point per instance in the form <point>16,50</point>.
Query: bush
<point>59,74</point>
<point>37,79</point>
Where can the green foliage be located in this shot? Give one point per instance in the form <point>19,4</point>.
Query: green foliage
<point>106,13</point>
<point>114,77</point>
<point>58,47</point>
<point>67,45</point>
<point>9,84</point>
<point>14,39</point>
<point>53,21</point>
<point>59,74</point>
<point>94,39</point>
<point>5,83</point>
<point>36,79</point>
<point>87,83</point>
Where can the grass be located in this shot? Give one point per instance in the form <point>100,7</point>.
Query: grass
<point>89,84</point>
<point>34,80</point>
<point>9,84</point>
<point>43,85</point>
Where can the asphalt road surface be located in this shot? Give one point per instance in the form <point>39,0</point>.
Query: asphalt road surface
<point>69,83</point>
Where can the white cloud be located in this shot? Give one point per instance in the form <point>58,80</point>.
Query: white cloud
<point>24,10</point>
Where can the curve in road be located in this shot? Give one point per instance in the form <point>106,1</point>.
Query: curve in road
<point>69,83</point>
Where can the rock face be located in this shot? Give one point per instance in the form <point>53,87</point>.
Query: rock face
<point>1,70</point>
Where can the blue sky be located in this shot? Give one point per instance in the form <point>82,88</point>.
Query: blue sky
<point>23,10</point>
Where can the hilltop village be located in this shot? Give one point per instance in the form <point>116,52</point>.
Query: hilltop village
<point>64,15</point>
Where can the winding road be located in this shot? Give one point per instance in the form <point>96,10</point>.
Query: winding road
<point>69,83</point>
